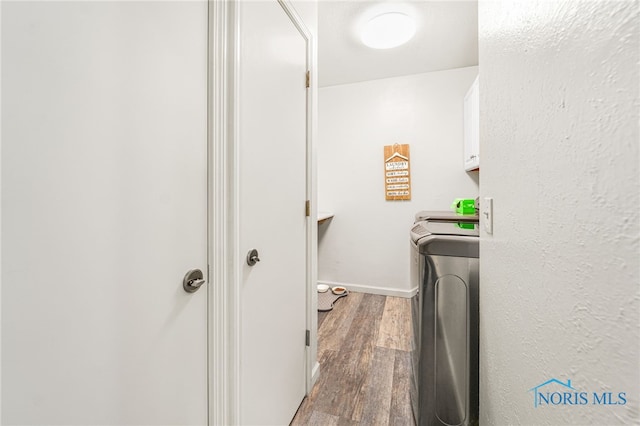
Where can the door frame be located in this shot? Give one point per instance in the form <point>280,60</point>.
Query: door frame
<point>225,260</point>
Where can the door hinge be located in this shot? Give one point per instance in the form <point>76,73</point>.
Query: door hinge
<point>307,208</point>
<point>307,338</point>
<point>308,79</point>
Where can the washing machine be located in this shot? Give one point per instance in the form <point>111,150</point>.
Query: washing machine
<point>445,267</point>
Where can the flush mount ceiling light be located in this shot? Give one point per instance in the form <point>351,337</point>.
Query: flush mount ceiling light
<point>388,30</point>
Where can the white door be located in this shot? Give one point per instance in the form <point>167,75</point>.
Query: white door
<point>272,161</point>
<point>103,212</point>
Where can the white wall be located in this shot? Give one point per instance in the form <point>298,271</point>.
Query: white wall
<point>0,215</point>
<point>366,245</point>
<point>559,145</point>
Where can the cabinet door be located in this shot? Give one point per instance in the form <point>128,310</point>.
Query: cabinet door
<point>472,127</point>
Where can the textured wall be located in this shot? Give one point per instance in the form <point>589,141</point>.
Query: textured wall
<point>559,145</point>
<point>367,242</point>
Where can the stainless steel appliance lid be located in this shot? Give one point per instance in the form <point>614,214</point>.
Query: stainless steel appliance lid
<point>460,227</point>
<point>443,215</point>
<point>418,231</point>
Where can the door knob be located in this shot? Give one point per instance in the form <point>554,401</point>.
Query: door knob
<point>252,257</point>
<point>193,281</point>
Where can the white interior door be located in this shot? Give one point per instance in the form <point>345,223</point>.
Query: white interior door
<point>272,160</point>
<point>103,212</point>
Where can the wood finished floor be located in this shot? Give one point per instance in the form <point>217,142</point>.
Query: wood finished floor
<point>364,347</point>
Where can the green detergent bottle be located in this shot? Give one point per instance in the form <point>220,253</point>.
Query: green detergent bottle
<point>464,206</point>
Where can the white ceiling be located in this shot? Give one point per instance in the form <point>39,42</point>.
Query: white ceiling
<point>446,38</point>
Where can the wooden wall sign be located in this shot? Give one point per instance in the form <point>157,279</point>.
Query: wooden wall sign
<point>397,172</point>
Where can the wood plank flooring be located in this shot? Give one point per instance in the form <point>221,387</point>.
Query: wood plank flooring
<point>364,350</point>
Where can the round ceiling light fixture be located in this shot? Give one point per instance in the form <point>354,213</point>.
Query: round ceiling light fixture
<point>388,30</point>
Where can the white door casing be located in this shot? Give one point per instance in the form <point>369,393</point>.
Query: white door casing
<point>272,189</point>
<point>104,210</point>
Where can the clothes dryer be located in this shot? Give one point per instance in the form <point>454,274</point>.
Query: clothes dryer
<point>444,266</point>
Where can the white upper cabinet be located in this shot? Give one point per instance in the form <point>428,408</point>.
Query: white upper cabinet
<point>472,127</point>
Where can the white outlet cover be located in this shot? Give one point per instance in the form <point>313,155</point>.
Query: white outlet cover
<point>487,213</point>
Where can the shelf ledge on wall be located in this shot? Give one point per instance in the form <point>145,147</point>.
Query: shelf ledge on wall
<point>324,216</point>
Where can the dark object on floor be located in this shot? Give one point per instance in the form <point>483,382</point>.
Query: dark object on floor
<point>327,299</point>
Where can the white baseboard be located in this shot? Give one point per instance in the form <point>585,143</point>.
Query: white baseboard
<point>315,374</point>
<point>384,291</point>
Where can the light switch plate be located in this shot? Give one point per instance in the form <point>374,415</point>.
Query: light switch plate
<point>487,212</point>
